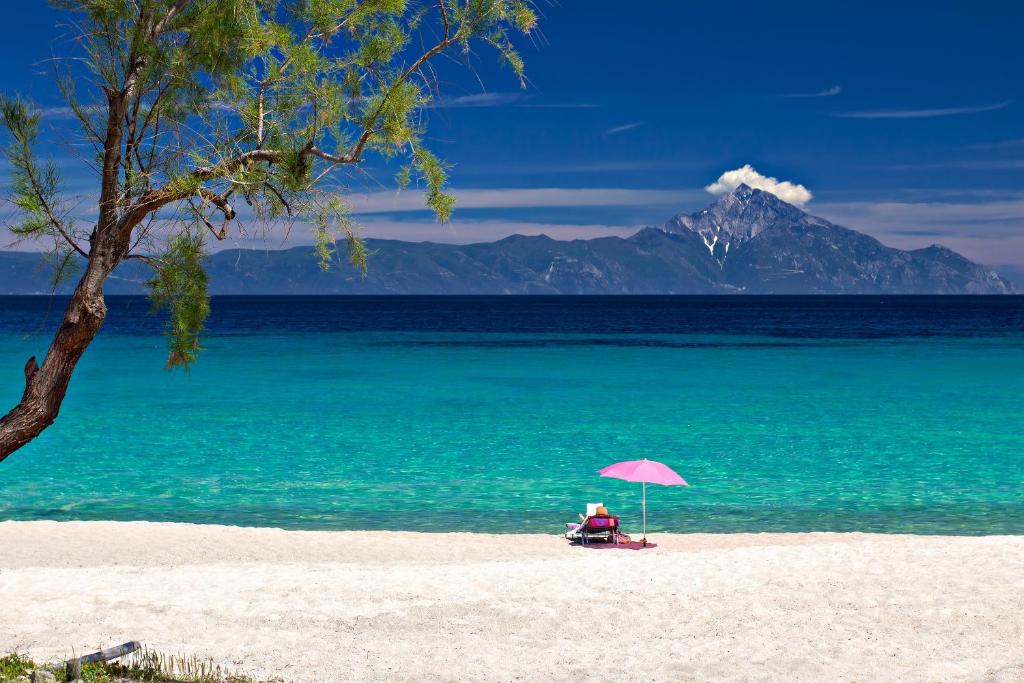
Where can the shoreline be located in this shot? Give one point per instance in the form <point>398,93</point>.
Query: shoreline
<point>553,529</point>
<point>270,543</point>
<point>376,605</point>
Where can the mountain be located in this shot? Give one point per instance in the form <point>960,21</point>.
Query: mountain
<point>1013,274</point>
<point>650,262</point>
<point>766,246</point>
<point>748,242</point>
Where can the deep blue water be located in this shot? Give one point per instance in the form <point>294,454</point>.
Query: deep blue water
<point>894,414</point>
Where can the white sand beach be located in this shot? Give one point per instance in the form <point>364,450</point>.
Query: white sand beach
<point>363,606</point>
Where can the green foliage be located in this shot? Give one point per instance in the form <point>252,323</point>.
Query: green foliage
<point>334,220</point>
<point>523,16</point>
<point>147,666</point>
<point>294,171</point>
<point>101,673</point>
<point>143,666</point>
<point>35,186</point>
<point>201,86</point>
<point>185,184</point>
<point>64,265</point>
<point>434,173</point>
<point>181,287</point>
<point>14,665</point>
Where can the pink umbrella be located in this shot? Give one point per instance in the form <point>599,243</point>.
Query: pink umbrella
<point>647,472</point>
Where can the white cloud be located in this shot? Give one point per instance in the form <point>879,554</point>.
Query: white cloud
<point>66,112</point>
<point>1015,143</point>
<point>501,99</point>
<point>57,113</point>
<point>456,232</point>
<point>985,232</point>
<point>919,113</point>
<point>970,164</point>
<point>595,166</point>
<point>568,105</point>
<point>797,195</point>
<point>504,198</point>
<point>827,92</point>
<point>623,129</point>
<point>484,99</point>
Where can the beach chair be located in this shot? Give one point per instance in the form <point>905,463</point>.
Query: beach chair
<point>600,528</point>
<point>572,529</point>
<point>594,527</point>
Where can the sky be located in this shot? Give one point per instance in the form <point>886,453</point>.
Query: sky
<point>903,120</point>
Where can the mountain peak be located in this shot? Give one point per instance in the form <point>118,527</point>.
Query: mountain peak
<point>735,218</point>
<point>744,191</point>
<point>746,195</point>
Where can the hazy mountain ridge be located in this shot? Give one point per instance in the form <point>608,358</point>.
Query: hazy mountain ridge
<point>749,241</point>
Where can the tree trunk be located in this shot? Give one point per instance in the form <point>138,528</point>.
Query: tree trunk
<point>46,386</point>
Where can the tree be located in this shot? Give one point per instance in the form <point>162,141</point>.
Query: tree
<point>196,104</point>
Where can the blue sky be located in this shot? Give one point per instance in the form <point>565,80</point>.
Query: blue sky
<point>903,120</point>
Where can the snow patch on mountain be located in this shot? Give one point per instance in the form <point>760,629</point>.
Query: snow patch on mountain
<point>735,218</point>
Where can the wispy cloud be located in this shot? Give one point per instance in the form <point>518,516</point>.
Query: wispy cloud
<point>581,105</point>
<point>57,113</point>
<point>966,164</point>
<point>502,99</point>
<point>65,112</point>
<point>987,231</point>
<point>622,129</point>
<point>541,167</point>
<point>919,113</point>
<point>515,198</point>
<point>937,217</point>
<point>483,99</point>
<point>827,92</point>
<point>1017,143</point>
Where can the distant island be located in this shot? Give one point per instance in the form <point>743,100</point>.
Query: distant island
<point>748,242</point>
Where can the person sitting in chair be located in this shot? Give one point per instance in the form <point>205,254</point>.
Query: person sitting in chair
<point>597,524</point>
<point>599,511</point>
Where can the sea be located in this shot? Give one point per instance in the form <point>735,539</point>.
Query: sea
<point>494,414</point>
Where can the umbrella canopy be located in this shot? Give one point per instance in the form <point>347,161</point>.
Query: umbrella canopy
<point>645,472</point>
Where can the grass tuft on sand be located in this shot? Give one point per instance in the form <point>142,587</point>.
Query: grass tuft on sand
<point>144,666</point>
<point>14,665</point>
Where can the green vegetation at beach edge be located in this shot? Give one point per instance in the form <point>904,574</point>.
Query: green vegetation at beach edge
<point>145,666</point>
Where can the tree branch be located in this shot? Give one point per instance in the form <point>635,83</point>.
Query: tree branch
<point>357,151</point>
<point>219,235</point>
<point>31,368</point>
<point>49,211</point>
<point>218,200</point>
<point>280,198</point>
<point>162,25</point>
<point>221,169</point>
<point>152,261</point>
<point>153,200</point>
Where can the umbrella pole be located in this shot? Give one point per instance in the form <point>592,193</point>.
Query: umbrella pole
<point>644,499</point>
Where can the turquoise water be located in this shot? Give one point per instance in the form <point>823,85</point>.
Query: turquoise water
<point>504,430</point>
